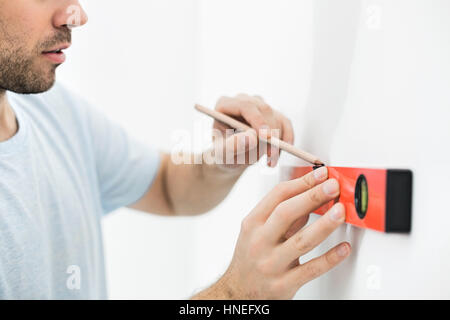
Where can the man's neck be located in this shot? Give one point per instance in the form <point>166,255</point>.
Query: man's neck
<point>8,123</point>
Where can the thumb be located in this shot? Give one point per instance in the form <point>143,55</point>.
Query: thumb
<point>239,144</point>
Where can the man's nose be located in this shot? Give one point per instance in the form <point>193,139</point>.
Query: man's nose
<point>70,14</point>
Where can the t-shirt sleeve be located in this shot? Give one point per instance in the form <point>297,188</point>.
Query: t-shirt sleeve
<point>126,168</point>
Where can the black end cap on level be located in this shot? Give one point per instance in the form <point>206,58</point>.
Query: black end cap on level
<point>399,200</point>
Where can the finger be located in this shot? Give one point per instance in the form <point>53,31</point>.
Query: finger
<point>270,132</point>
<point>287,135</point>
<point>221,131</point>
<point>310,237</point>
<point>221,126</point>
<point>294,264</point>
<point>265,147</point>
<point>290,210</point>
<point>287,129</point>
<point>287,190</point>
<point>296,226</point>
<point>273,153</point>
<point>238,145</point>
<point>318,266</point>
<point>248,110</point>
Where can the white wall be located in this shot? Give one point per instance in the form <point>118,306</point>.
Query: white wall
<point>365,81</point>
<point>393,112</point>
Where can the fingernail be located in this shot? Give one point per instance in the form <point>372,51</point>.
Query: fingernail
<point>337,213</point>
<point>321,173</point>
<point>331,187</point>
<point>342,251</point>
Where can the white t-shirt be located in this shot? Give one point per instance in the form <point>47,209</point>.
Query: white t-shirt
<point>65,168</point>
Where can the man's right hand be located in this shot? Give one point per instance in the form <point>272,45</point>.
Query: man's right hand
<point>273,238</point>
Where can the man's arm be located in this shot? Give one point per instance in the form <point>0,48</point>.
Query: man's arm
<point>187,189</point>
<point>190,189</point>
<point>274,235</point>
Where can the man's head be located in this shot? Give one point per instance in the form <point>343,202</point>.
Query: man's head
<point>31,33</point>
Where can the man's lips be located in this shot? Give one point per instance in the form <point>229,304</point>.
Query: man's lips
<point>56,54</point>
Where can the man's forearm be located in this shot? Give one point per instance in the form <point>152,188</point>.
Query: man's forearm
<point>197,188</point>
<point>221,290</point>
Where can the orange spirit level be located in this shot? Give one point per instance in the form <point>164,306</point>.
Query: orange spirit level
<point>378,199</point>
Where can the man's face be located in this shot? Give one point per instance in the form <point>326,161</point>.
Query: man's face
<point>31,33</point>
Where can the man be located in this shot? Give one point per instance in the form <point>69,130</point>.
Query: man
<point>63,165</point>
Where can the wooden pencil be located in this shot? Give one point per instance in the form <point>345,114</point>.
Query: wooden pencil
<point>235,124</point>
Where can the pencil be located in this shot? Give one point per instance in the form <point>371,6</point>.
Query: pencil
<point>235,124</point>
